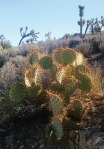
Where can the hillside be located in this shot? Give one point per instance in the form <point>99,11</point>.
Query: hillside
<point>24,124</point>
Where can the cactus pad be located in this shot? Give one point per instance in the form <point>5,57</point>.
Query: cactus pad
<point>77,106</point>
<point>17,92</point>
<point>68,56</point>
<point>74,115</point>
<point>58,56</point>
<point>85,83</point>
<point>69,71</point>
<point>53,70</point>
<point>33,58</point>
<point>45,62</point>
<point>64,56</point>
<point>70,87</point>
<point>60,75</point>
<point>55,103</point>
<point>77,111</point>
<point>57,87</point>
<point>57,129</point>
<point>81,69</point>
<point>33,92</point>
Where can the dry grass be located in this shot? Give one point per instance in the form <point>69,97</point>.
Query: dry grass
<point>97,78</point>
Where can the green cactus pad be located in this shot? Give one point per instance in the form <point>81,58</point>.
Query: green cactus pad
<point>68,56</point>
<point>55,103</point>
<point>33,58</point>
<point>33,92</point>
<point>81,69</point>
<point>58,56</point>
<point>53,70</point>
<point>66,99</point>
<point>74,115</point>
<point>77,111</point>
<point>77,106</point>
<point>57,129</point>
<point>85,83</point>
<point>69,124</point>
<point>57,87</point>
<point>45,62</point>
<point>70,87</point>
<point>17,92</point>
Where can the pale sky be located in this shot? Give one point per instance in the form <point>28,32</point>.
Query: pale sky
<point>58,16</point>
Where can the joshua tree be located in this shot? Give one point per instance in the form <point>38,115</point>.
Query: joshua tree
<point>25,34</point>
<point>81,22</point>
<point>95,25</point>
<point>48,35</point>
<point>2,37</point>
<point>4,43</point>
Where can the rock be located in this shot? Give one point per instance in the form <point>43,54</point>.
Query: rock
<point>21,147</point>
<point>99,143</point>
<point>9,141</point>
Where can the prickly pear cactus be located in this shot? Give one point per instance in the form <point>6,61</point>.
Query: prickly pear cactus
<point>17,92</point>
<point>58,75</point>
<point>55,103</point>
<point>56,127</point>
<point>34,57</point>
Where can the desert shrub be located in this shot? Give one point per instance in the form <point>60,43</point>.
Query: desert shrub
<point>20,50</point>
<point>74,41</point>
<point>49,45</point>
<point>26,48</point>
<point>84,48</point>
<point>95,45</point>
<point>2,60</point>
<point>12,71</point>
<point>5,44</point>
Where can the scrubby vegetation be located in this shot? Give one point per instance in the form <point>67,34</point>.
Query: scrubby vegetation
<point>52,92</point>
<point>49,83</point>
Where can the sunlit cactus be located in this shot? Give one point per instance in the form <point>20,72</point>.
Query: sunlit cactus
<point>34,58</point>
<point>57,87</point>
<point>64,56</point>
<point>60,75</point>
<point>45,62</point>
<point>84,83</point>
<point>53,79</point>
<point>42,78</point>
<point>57,56</point>
<point>70,87</point>
<point>55,103</point>
<point>81,69</point>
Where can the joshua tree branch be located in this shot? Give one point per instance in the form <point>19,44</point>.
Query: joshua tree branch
<point>24,35</point>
